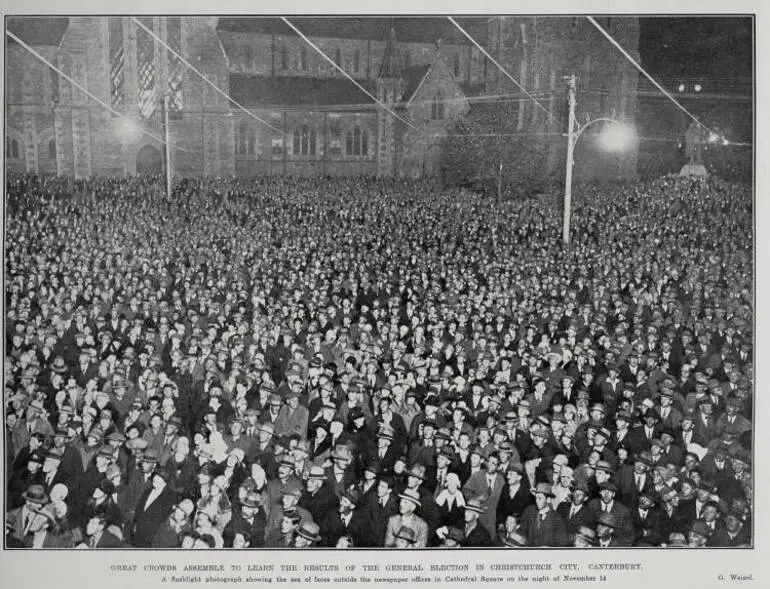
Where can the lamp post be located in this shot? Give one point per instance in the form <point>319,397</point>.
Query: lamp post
<point>168,149</point>
<point>574,131</point>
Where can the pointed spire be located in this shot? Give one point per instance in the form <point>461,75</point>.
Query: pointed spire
<point>390,68</point>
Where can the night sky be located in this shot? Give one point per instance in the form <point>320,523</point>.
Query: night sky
<point>717,49</point>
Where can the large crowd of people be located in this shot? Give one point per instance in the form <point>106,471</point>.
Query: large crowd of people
<point>352,362</point>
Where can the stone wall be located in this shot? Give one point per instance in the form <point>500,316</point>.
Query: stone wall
<point>274,150</point>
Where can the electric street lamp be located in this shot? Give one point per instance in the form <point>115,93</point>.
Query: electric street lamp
<point>615,137</point>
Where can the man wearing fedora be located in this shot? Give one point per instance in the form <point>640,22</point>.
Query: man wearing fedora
<point>35,498</point>
<point>292,417</point>
<point>169,533</point>
<point>487,484</point>
<point>264,447</point>
<point>584,537</point>
<point>475,535</point>
<point>307,535</point>
<point>318,498</point>
<point>575,512</point>
<point>606,531</point>
<point>382,505</point>
<point>540,523</point>
<point>406,538</point>
<point>44,531</point>
<point>98,535</point>
<point>632,483</point>
<point>277,486</point>
<point>152,508</point>
<point>607,503</point>
<point>647,520</point>
<point>341,474</point>
<point>515,495</point>
<point>385,451</point>
<point>428,510</point>
<point>250,521</point>
<point>409,503</point>
<point>348,521</point>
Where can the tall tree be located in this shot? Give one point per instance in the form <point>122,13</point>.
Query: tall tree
<point>486,149</point>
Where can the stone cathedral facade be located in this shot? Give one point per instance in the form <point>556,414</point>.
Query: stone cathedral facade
<point>298,114</point>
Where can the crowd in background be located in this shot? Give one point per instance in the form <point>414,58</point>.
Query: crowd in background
<point>351,362</point>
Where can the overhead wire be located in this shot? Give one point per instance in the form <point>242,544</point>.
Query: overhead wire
<point>204,78</point>
<point>348,76</point>
<point>502,69</point>
<point>620,48</point>
<point>87,93</point>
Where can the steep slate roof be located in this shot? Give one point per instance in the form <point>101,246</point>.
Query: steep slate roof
<point>420,29</point>
<point>267,91</point>
<point>37,30</point>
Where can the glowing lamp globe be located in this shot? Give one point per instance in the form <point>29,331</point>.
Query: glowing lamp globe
<point>127,130</point>
<point>616,137</point>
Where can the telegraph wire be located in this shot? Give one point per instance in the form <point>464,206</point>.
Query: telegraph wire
<point>502,69</point>
<point>348,76</point>
<point>644,72</point>
<point>89,94</point>
<point>202,77</point>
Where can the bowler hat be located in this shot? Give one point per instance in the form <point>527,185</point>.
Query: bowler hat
<point>36,494</point>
